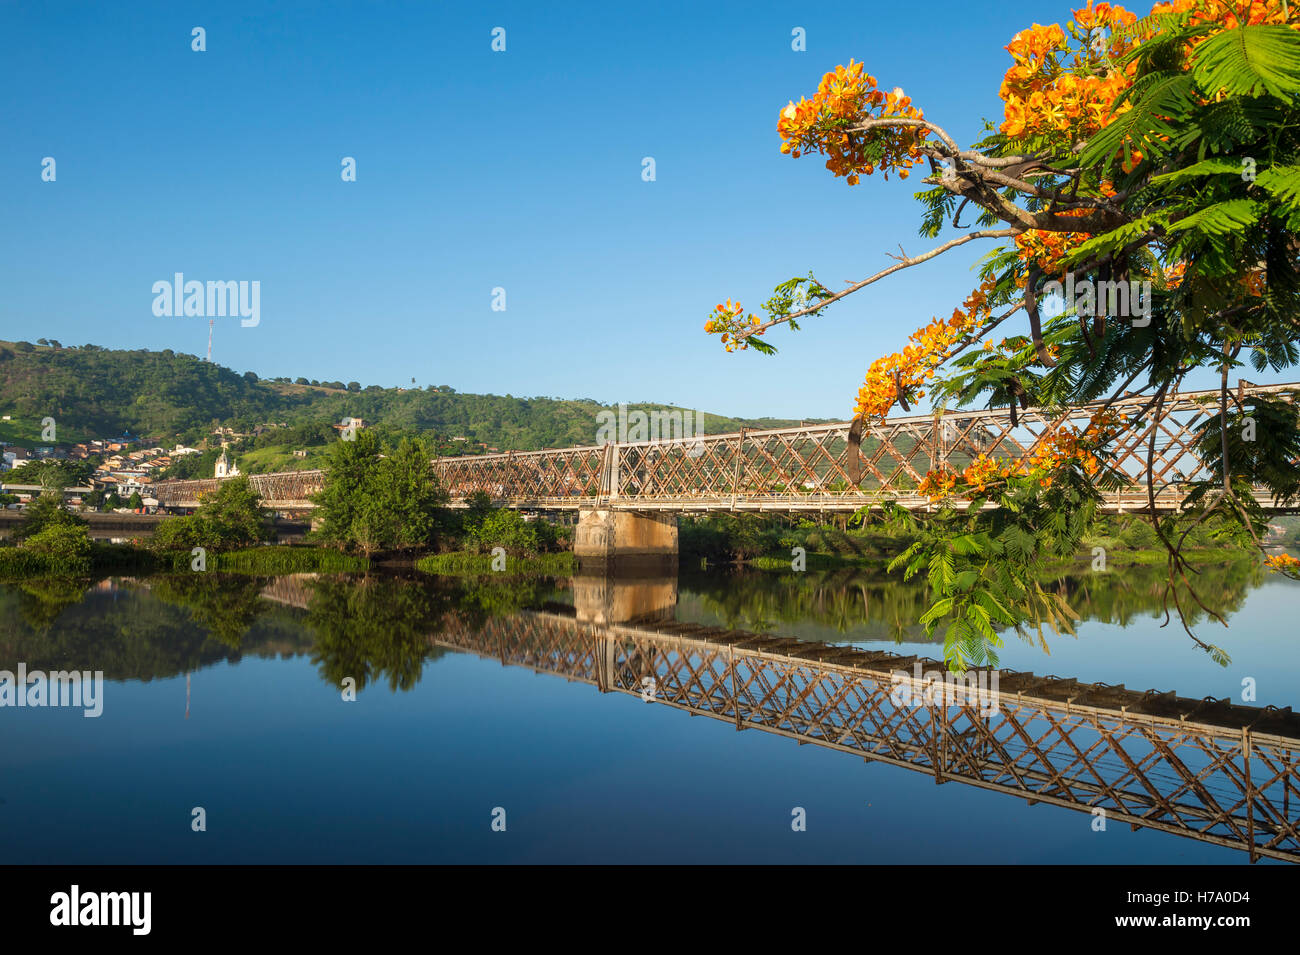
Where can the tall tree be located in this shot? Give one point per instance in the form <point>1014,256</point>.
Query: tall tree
<point>372,502</point>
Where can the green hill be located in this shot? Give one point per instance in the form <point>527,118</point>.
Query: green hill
<point>92,391</point>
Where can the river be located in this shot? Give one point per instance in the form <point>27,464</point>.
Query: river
<point>511,721</point>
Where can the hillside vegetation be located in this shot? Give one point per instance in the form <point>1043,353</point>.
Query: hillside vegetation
<point>92,391</point>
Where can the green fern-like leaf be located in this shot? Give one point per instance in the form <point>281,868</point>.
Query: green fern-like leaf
<point>1283,182</point>
<point>1222,218</point>
<point>1119,237</point>
<point>1155,98</point>
<point>1199,170</point>
<point>1250,61</point>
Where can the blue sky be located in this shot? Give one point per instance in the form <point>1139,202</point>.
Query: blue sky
<point>475,170</point>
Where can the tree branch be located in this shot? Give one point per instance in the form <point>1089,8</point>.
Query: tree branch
<point>903,263</point>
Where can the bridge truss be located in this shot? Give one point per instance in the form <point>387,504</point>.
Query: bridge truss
<point>808,468</point>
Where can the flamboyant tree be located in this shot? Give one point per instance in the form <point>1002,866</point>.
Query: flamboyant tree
<point>1162,150</point>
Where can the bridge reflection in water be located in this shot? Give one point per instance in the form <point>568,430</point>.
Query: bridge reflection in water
<point>1208,770</point>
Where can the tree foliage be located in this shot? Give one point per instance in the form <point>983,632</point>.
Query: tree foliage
<point>101,392</point>
<point>372,501</point>
<point>45,512</point>
<point>1163,152</point>
<point>227,518</point>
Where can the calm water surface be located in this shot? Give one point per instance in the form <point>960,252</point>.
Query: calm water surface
<point>224,693</point>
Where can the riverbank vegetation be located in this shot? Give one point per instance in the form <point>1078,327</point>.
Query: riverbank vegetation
<point>475,564</point>
<point>869,541</point>
<point>387,499</point>
<point>287,560</point>
<point>378,501</point>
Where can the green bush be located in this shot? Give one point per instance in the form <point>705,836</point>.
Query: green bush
<point>1139,534</point>
<point>506,528</point>
<point>228,519</point>
<point>59,549</point>
<point>46,511</point>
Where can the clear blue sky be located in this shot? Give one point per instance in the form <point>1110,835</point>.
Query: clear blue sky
<point>475,170</point>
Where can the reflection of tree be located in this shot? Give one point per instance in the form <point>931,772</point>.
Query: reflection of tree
<point>44,598</point>
<point>376,626</point>
<point>481,598</point>
<point>128,633</point>
<point>841,599</point>
<point>225,604</point>
<point>849,599</point>
<point>1123,593</point>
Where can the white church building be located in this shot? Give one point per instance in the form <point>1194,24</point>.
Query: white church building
<point>226,467</point>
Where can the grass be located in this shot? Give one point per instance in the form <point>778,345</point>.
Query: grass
<point>284,560</point>
<point>280,458</point>
<point>466,563</point>
<point>816,561</point>
<point>17,563</point>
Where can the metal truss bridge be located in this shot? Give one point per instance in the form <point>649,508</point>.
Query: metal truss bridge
<point>807,468</point>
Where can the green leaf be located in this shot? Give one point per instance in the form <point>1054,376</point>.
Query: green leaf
<point>1222,218</point>
<point>1155,99</point>
<point>937,611</point>
<point>1119,237</point>
<point>1250,61</point>
<point>1206,167</point>
<point>1283,182</point>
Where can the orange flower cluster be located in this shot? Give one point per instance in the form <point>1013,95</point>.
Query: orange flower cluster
<point>1224,13</point>
<point>900,375</point>
<point>1048,250</point>
<point>1044,96</point>
<point>1063,447</point>
<point>936,485</point>
<point>1174,275</point>
<point>1283,563</point>
<point>846,98</point>
<point>984,471</point>
<point>1254,282</point>
<point>1055,90</point>
<point>729,320</point>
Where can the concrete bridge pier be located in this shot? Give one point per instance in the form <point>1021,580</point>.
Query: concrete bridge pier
<point>624,540</point>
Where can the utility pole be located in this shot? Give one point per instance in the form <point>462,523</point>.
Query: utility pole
<point>211,322</point>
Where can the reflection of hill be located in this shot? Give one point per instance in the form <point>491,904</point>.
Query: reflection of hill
<point>850,604</point>
<point>131,634</point>
<point>367,628</point>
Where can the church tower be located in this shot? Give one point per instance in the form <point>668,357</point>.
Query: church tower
<point>224,466</point>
